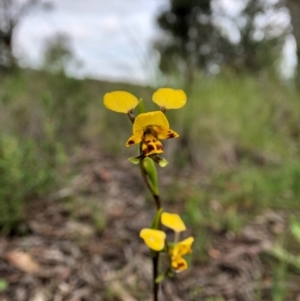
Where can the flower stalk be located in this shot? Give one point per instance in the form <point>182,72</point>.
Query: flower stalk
<point>147,174</point>
<point>147,131</point>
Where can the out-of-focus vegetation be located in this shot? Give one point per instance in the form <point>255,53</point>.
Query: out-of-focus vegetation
<point>243,136</point>
<point>29,168</point>
<point>44,118</point>
<point>240,133</point>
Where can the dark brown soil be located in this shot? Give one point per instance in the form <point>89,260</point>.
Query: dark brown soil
<point>82,243</point>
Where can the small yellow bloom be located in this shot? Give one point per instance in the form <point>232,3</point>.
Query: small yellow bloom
<point>183,247</point>
<point>168,98</point>
<point>173,221</point>
<point>180,249</point>
<point>154,239</point>
<point>179,264</point>
<point>148,128</point>
<point>120,101</point>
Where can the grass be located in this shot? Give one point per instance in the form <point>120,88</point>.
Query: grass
<point>242,113</point>
<point>239,143</point>
<point>242,135</point>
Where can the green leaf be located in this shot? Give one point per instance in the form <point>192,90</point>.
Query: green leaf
<point>156,219</point>
<point>3,285</point>
<point>151,173</point>
<point>140,106</point>
<point>171,273</point>
<point>134,160</point>
<point>282,254</point>
<point>162,162</point>
<point>295,228</point>
<point>160,278</point>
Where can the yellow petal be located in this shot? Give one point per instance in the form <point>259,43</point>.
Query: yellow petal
<point>137,138</point>
<point>154,239</point>
<point>169,98</point>
<point>183,247</point>
<point>120,101</point>
<point>165,134</point>
<point>144,121</point>
<point>179,264</point>
<point>173,221</point>
<point>151,145</point>
<point>152,148</point>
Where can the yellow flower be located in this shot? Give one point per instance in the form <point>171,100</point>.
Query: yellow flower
<point>148,128</point>
<point>168,98</point>
<point>120,101</point>
<point>179,264</point>
<point>154,239</point>
<point>173,221</point>
<point>180,249</point>
<point>183,247</point>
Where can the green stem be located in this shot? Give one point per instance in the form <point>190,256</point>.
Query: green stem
<point>145,178</point>
<point>155,260</point>
<point>131,116</point>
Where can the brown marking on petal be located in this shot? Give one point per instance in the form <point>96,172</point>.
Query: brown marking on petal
<point>171,135</point>
<point>150,148</point>
<point>130,142</point>
<point>178,266</point>
<point>149,137</point>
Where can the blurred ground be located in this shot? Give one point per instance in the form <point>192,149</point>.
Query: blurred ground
<point>91,250</point>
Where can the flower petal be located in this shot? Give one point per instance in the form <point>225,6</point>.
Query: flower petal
<point>179,264</point>
<point>169,98</point>
<point>172,221</point>
<point>120,101</point>
<point>154,239</point>
<point>160,161</point>
<point>136,138</point>
<point>165,134</point>
<point>134,160</point>
<point>183,247</point>
<point>155,118</point>
<point>152,148</point>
